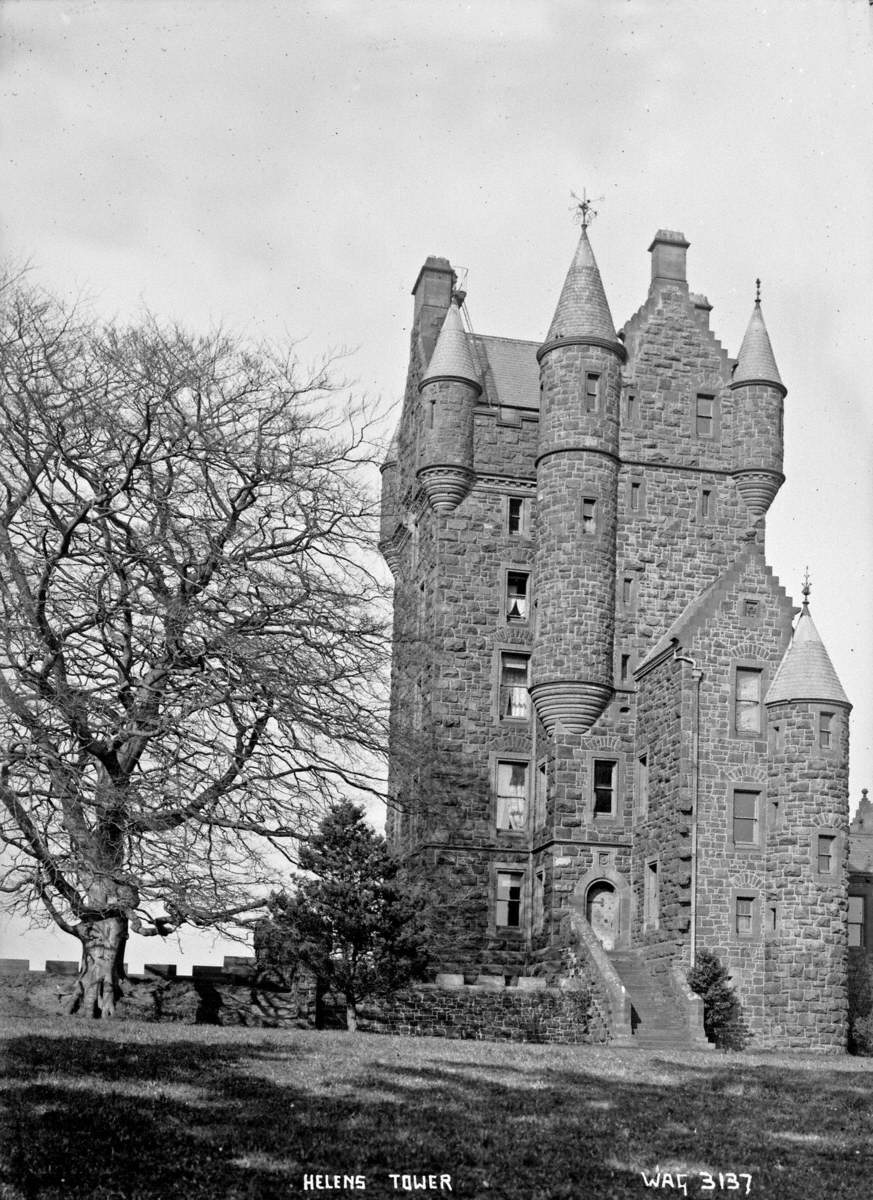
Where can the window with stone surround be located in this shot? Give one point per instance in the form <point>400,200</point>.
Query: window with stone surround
<point>706,415</point>
<point>508,898</point>
<point>589,515</point>
<point>745,822</point>
<point>746,923</point>
<point>592,391</point>
<point>826,849</point>
<point>517,516</point>
<point>775,738</point>
<point>604,782</point>
<point>514,698</point>
<point>636,496</point>
<point>748,709</point>
<point>631,407</point>
<point>516,599</point>
<point>856,921</point>
<point>643,783</point>
<point>825,730</point>
<point>624,669</point>
<point>771,918</point>
<point>539,889</point>
<point>651,896</point>
<point>629,592</point>
<point>542,792</point>
<point>510,794</point>
<point>706,503</point>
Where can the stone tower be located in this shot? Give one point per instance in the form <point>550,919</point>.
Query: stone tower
<point>595,767</point>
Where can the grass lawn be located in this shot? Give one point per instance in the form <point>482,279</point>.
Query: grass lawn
<point>130,1111</point>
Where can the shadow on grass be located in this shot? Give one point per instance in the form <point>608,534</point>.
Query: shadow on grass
<point>100,1119</point>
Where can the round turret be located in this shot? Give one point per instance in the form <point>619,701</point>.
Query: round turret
<point>449,390</point>
<point>577,477</point>
<point>758,401</point>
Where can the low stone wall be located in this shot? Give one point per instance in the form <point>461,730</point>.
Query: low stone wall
<point>496,1014</point>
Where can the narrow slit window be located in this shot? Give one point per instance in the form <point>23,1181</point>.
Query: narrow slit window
<point>628,591</point>
<point>705,503</point>
<point>651,898</point>
<point>624,668</point>
<point>589,515</point>
<point>517,587</point>
<point>511,795</point>
<point>636,496</point>
<point>514,696</point>
<point>631,408</point>
<point>643,783</point>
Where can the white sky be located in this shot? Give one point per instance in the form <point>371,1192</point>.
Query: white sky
<point>284,169</point>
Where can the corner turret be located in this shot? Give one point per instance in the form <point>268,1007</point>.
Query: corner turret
<point>758,403</point>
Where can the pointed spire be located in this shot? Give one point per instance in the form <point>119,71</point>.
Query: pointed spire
<point>451,358</point>
<point>806,671</point>
<point>755,361</point>
<point>583,311</point>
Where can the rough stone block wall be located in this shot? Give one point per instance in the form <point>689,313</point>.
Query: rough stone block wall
<point>476,1012</point>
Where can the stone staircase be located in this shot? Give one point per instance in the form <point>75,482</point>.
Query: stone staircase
<point>659,1020</point>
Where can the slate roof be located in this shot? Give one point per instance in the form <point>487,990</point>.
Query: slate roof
<point>451,356</point>
<point>582,308</point>
<point>806,671</point>
<point>512,373</point>
<point>755,361</point>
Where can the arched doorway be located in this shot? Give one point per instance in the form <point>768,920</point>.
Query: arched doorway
<point>602,912</point>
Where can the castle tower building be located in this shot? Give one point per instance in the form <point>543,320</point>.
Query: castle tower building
<point>607,751</point>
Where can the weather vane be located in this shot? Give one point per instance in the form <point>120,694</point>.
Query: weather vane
<point>806,586</point>
<point>757,291</point>
<point>583,209</point>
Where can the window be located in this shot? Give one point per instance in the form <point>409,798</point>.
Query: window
<point>631,408</point>
<point>856,920</point>
<point>516,599</point>
<point>624,668</point>
<point>643,783</point>
<point>705,501</point>
<point>751,608</point>
<point>511,789</point>
<point>650,895</point>
<point>592,389</point>
<point>744,916</point>
<point>635,496</point>
<point>542,793</point>
<point>747,701</point>
<point>538,898</point>
<point>516,516</point>
<point>826,853</point>
<point>628,591</point>
<point>775,738</point>
<point>825,730</point>
<point>604,787</point>
<point>772,920</point>
<point>745,818</point>
<point>773,811</point>
<point>705,416</point>
<point>514,697</point>
<point>589,515</point>
<point>507,913</point>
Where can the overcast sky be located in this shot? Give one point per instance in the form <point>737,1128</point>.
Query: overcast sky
<point>284,169</point>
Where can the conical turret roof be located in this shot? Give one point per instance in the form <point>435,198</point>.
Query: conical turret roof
<point>806,671</point>
<point>755,361</point>
<point>583,311</point>
<point>451,358</point>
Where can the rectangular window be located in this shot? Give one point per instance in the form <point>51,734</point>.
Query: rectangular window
<point>745,818</point>
<point>856,920</point>
<point>624,668</point>
<point>538,901</point>
<point>516,516</point>
<point>643,783</point>
<point>514,697</point>
<point>635,496</point>
<point>589,515</point>
<point>772,917</point>
<point>744,916</point>
<point>706,502</point>
<point>628,591</point>
<point>826,853</point>
<point>592,389</point>
<point>775,739</point>
<point>511,789</point>
<point>747,701</point>
<point>751,608</point>
<point>604,787</point>
<point>507,913</point>
<point>631,408</point>
<point>542,793</point>
<point>650,896</point>
<point>516,599</point>
<point>825,730</point>
<point>705,416</point>
<point>773,814</point>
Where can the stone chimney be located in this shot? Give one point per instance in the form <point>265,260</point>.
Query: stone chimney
<point>668,258</point>
<point>433,295</point>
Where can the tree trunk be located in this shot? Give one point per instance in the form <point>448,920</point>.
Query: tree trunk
<point>98,985</point>
<point>351,1015</point>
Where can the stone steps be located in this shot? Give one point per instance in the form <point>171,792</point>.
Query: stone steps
<point>658,1020</point>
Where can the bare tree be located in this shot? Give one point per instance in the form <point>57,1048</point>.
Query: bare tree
<point>191,642</point>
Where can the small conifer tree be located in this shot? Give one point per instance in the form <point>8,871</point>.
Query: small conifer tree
<point>722,1012</point>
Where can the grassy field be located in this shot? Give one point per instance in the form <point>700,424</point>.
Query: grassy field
<point>131,1111</point>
